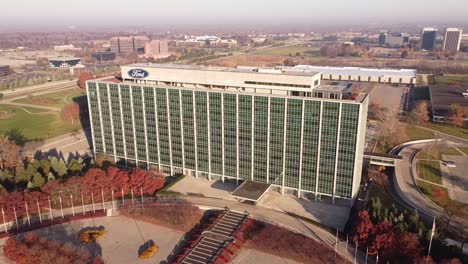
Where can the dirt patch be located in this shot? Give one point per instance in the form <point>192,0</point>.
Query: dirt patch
<point>7,114</point>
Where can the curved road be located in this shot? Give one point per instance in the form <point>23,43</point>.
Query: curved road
<point>405,187</point>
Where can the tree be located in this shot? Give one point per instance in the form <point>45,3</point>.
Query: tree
<point>71,112</point>
<point>383,240</point>
<point>409,247</point>
<point>362,228</point>
<point>420,113</point>
<point>84,76</point>
<point>141,179</point>
<point>457,114</point>
<point>9,153</point>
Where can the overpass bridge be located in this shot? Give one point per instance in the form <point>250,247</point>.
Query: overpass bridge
<point>381,159</point>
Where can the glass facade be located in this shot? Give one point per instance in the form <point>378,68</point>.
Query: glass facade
<point>305,144</point>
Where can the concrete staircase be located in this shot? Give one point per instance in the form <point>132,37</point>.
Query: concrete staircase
<point>214,240</point>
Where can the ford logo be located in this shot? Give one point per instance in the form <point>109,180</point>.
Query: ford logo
<point>138,73</point>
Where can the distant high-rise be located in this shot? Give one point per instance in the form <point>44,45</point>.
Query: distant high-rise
<point>127,45</point>
<point>428,38</point>
<point>452,39</point>
<point>382,37</point>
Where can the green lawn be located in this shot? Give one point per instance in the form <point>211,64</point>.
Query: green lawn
<point>58,97</point>
<point>40,126</point>
<point>435,153</point>
<point>451,130</point>
<point>429,170</point>
<point>415,133</point>
<point>464,150</point>
<point>450,79</point>
<point>456,207</point>
<point>291,50</point>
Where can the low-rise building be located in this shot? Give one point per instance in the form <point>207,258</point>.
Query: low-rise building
<point>5,70</point>
<point>64,62</point>
<point>390,76</point>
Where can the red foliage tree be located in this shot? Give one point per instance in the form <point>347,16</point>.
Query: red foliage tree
<point>383,240</point>
<point>71,112</point>
<point>83,78</point>
<point>363,227</point>
<point>141,179</point>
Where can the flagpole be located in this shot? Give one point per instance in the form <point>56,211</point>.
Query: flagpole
<point>355,251</point>
<point>346,248</point>
<point>432,235</point>
<point>367,253</point>
<point>336,242</point>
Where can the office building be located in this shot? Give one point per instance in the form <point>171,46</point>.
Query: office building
<point>5,70</point>
<point>428,39</point>
<point>452,39</point>
<point>127,45</point>
<point>263,125</point>
<point>64,62</point>
<point>157,48</point>
<point>387,38</point>
<point>104,56</point>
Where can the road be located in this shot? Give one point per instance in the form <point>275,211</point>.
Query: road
<point>37,88</point>
<point>406,190</point>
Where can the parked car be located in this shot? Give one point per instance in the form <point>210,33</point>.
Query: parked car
<point>450,164</point>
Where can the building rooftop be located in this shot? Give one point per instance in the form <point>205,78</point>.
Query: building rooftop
<point>444,96</point>
<point>242,69</point>
<point>354,71</point>
<point>336,87</point>
<point>64,58</point>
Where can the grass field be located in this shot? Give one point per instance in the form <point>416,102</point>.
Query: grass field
<point>433,192</point>
<point>60,98</point>
<point>437,152</point>
<point>37,126</point>
<point>464,150</point>
<point>451,79</point>
<point>451,130</point>
<point>415,133</point>
<point>429,170</point>
<point>291,51</point>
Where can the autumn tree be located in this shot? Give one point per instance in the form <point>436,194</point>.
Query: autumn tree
<point>71,112</point>
<point>9,153</point>
<point>383,240</point>
<point>457,114</point>
<point>141,179</point>
<point>83,78</point>
<point>420,113</point>
<point>392,132</point>
<point>362,229</point>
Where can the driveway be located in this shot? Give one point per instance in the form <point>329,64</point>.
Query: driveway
<point>456,179</point>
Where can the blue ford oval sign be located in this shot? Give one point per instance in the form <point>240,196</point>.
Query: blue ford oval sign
<point>138,73</point>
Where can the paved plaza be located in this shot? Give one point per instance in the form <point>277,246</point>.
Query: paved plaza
<point>121,242</point>
<point>249,256</point>
<point>333,215</point>
<point>456,179</point>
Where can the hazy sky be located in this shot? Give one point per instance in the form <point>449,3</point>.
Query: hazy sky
<point>177,12</point>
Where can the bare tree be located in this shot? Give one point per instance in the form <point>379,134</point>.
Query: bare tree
<point>9,153</point>
<point>420,113</point>
<point>457,114</point>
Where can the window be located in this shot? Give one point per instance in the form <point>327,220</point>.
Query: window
<point>278,84</point>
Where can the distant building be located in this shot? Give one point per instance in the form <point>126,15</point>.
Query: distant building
<point>64,62</point>
<point>157,48</point>
<point>208,41</point>
<point>127,45</point>
<point>62,48</point>
<point>452,39</point>
<point>382,37</point>
<point>393,39</point>
<point>428,39</point>
<point>104,56</point>
<point>5,70</point>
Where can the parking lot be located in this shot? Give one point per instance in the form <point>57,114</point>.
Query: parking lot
<point>456,179</point>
